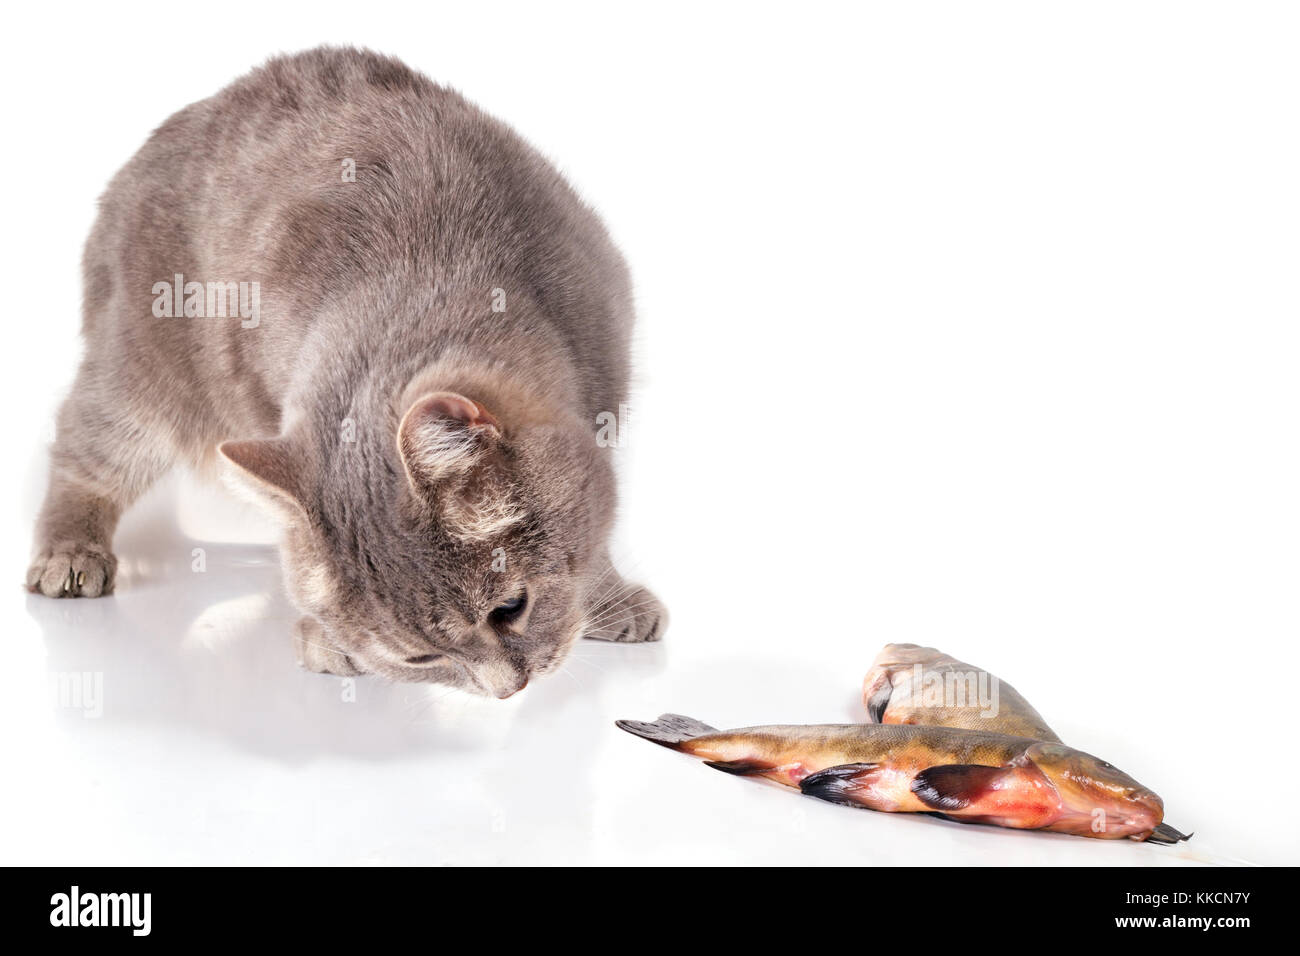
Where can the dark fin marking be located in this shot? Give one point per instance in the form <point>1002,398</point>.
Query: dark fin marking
<point>741,768</point>
<point>837,784</point>
<point>954,786</point>
<point>1167,835</point>
<point>879,703</point>
<point>668,730</point>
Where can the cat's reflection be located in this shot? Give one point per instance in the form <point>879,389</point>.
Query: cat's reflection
<point>198,637</point>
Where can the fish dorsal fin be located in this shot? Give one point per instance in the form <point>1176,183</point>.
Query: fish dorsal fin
<point>954,786</point>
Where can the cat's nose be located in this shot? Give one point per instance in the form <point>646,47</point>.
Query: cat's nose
<point>509,691</point>
<point>502,677</point>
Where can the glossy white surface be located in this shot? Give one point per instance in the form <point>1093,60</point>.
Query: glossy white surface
<point>973,329</point>
<point>204,744</point>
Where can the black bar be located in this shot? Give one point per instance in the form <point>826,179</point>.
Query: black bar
<point>238,905</point>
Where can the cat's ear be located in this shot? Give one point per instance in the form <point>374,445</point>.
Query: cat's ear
<point>270,468</point>
<point>443,434</point>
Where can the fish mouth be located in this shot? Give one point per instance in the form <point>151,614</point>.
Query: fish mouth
<point>1133,815</point>
<point>1152,809</point>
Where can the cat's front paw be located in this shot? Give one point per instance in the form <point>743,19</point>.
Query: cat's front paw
<point>635,615</point>
<point>73,569</point>
<point>317,653</point>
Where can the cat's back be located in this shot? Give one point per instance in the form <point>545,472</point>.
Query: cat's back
<point>339,156</point>
<point>322,171</point>
<point>289,132</point>
<point>302,100</point>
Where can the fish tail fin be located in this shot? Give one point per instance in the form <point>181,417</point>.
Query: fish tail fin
<point>877,689</point>
<point>1164,833</point>
<point>668,730</point>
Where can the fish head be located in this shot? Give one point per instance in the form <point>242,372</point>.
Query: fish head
<point>1096,794</point>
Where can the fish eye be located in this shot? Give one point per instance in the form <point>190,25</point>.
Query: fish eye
<point>508,611</point>
<point>424,659</point>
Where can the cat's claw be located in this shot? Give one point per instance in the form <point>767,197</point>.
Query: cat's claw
<point>637,617</point>
<point>71,569</point>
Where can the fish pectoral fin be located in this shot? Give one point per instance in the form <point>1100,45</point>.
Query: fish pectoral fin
<point>848,784</point>
<point>1009,796</point>
<point>741,768</point>
<point>954,786</point>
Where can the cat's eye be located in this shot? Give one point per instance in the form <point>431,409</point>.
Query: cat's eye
<point>508,611</point>
<point>424,659</point>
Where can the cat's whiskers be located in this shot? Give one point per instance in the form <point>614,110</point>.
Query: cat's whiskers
<point>332,650</point>
<point>421,707</point>
<point>612,614</point>
<point>569,674</point>
<point>590,596</point>
<point>590,663</point>
<point>609,569</point>
<point>611,598</point>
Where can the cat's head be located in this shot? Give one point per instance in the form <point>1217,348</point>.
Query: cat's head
<point>456,551</point>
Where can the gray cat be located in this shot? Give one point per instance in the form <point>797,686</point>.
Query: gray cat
<point>393,322</point>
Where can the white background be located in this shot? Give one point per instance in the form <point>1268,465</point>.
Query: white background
<point>966,324</point>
